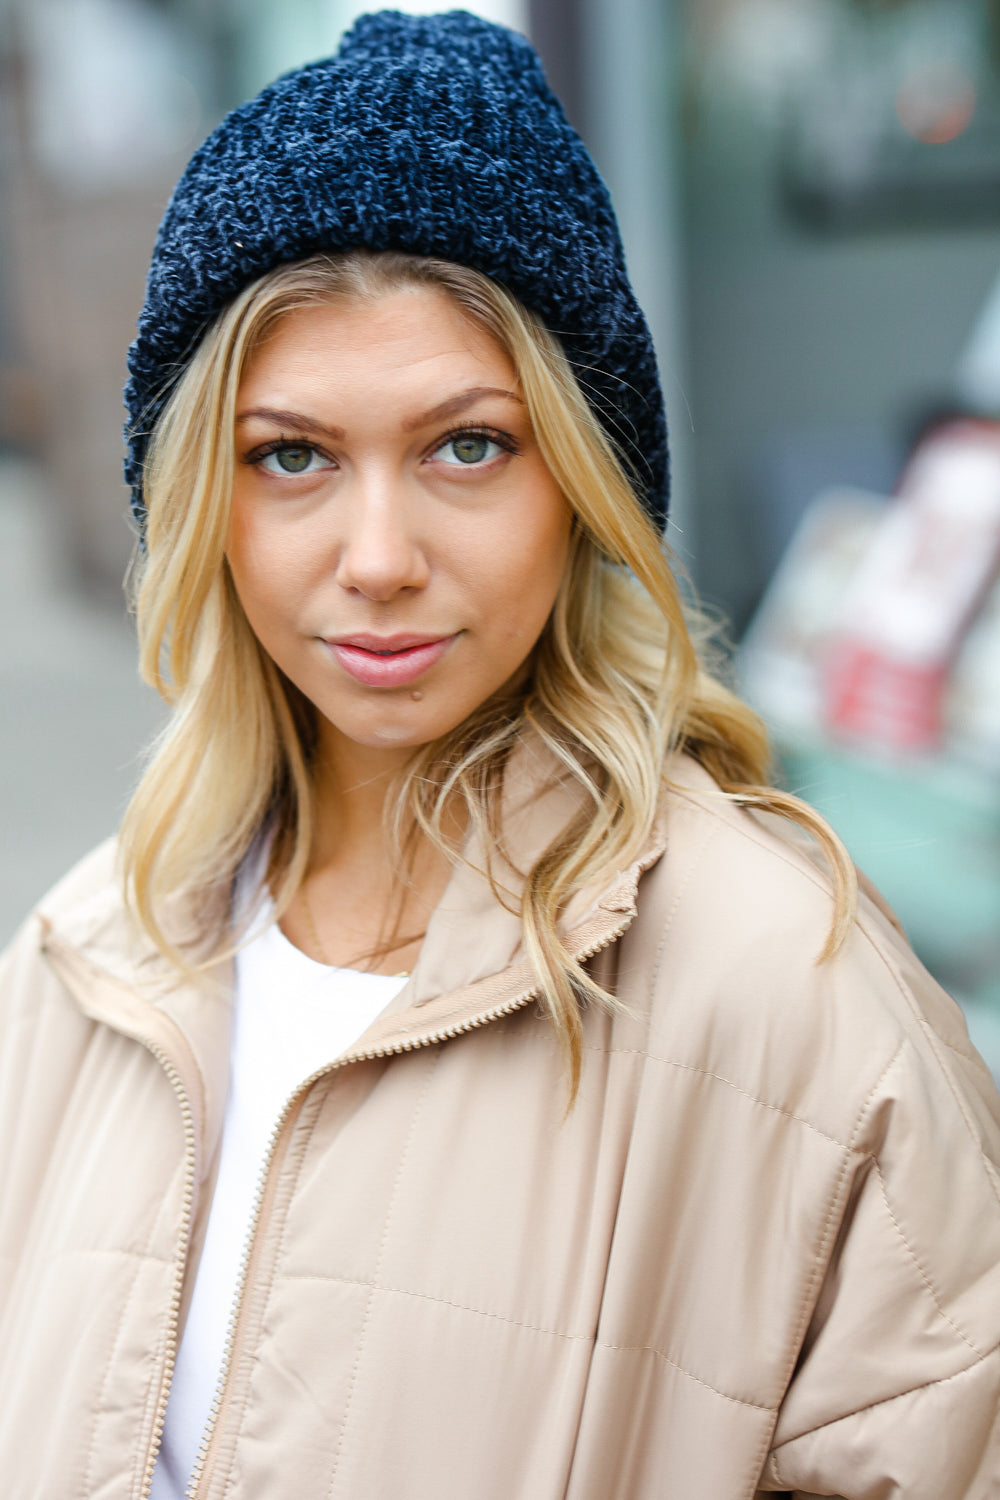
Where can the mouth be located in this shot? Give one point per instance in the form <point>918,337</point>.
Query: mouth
<point>388,661</point>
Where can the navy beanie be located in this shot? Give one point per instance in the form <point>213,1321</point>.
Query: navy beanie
<point>436,135</point>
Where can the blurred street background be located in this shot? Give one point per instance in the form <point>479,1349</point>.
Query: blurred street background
<point>809,192</point>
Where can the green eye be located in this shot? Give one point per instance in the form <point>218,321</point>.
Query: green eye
<point>468,448</point>
<point>293,460</point>
<point>471,449</point>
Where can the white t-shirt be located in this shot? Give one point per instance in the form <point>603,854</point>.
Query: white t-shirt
<point>291,1015</point>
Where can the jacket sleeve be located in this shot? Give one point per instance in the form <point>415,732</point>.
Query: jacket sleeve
<point>897,1388</point>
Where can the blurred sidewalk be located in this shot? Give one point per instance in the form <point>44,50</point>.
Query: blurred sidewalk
<point>74,716</point>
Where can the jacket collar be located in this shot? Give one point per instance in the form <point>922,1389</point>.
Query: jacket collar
<point>471,965</point>
<point>471,935</point>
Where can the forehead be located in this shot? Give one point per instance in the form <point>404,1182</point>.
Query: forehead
<point>396,339</point>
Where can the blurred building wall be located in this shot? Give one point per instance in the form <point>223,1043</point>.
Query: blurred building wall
<point>100,104</point>
<point>632,80</point>
<point>818,337</point>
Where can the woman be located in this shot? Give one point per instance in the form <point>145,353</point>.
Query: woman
<point>561,1126</point>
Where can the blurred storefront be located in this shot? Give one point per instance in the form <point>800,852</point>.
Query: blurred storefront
<point>101,100</point>
<point>842,245</point>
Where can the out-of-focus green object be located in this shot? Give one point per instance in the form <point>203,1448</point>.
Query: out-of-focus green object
<point>928,834</point>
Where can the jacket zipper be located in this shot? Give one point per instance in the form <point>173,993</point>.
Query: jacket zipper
<point>292,1107</point>
<point>173,1315</point>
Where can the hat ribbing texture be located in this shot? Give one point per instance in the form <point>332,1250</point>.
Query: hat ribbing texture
<point>435,135</point>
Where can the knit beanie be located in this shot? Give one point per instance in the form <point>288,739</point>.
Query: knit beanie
<point>435,135</point>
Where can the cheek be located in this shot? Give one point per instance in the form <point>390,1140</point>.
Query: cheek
<point>267,571</point>
<point>530,562</point>
<point>514,576</point>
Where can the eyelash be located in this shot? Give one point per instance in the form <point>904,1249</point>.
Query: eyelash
<point>502,439</point>
<point>258,455</point>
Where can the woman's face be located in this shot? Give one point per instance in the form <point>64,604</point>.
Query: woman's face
<point>396,541</point>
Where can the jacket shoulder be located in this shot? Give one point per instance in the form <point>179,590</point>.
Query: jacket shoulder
<point>33,1001</point>
<point>733,921</point>
<point>94,878</point>
<point>772,877</point>
<point>79,900</point>
<point>841,1105</point>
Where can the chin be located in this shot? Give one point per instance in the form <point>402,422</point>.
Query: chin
<point>394,734</point>
<point>400,728</point>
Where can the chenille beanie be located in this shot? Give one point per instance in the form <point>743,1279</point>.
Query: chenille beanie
<point>436,135</point>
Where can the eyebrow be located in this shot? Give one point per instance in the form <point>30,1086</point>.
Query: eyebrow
<point>448,408</point>
<point>459,403</point>
<point>296,419</point>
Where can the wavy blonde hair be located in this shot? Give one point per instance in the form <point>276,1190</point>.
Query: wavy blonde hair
<point>616,683</point>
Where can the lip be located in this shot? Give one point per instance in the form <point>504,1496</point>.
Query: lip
<point>390,660</point>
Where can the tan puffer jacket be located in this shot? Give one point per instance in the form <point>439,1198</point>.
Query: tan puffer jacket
<point>761,1254</point>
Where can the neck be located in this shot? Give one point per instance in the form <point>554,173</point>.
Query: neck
<point>357,911</point>
<point>351,786</point>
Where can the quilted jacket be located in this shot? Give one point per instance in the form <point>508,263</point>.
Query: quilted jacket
<point>761,1254</point>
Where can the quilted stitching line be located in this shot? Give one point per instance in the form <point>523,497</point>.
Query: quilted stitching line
<point>993,1175</point>
<point>402,1291</point>
<point>313,1104</point>
<point>779,1109</point>
<point>557,1333</point>
<point>915,1390</point>
<point>688,1374</point>
<point>679,895</point>
<point>102,1252</point>
<point>827,1232</point>
<point>863,1111</point>
<point>935,1043</point>
<point>925,1278</point>
<point>930,1035</point>
<point>109,1362</point>
<point>397,1181</point>
<point>966,1056</point>
<point>142,1258</point>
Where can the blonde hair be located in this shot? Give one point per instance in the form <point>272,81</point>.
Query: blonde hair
<point>616,685</point>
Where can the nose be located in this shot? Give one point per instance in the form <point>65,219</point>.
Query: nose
<point>381,553</point>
